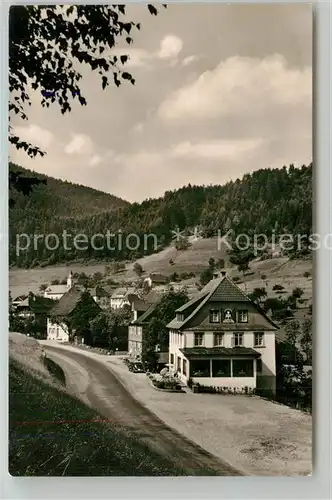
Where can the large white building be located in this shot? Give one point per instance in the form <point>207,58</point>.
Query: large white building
<point>221,338</point>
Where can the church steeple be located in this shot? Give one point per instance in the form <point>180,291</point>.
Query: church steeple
<point>70,280</point>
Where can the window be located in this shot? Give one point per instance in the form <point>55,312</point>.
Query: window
<point>200,368</point>
<point>218,339</point>
<point>243,368</point>
<point>258,339</point>
<point>184,366</point>
<point>214,316</point>
<point>221,368</point>
<point>172,359</point>
<point>237,339</point>
<point>199,339</point>
<point>179,317</point>
<point>258,365</point>
<point>179,365</point>
<point>242,316</point>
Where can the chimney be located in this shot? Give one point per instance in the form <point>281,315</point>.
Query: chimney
<point>215,276</point>
<point>223,273</point>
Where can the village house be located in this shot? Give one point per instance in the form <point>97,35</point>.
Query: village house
<point>143,310</point>
<point>137,327</point>
<point>156,280</point>
<point>122,297</point>
<point>21,307</point>
<point>55,292</point>
<point>20,302</point>
<point>31,306</point>
<point>221,338</point>
<point>101,296</point>
<point>98,293</point>
<point>74,302</point>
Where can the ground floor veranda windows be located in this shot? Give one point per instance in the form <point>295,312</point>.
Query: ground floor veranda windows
<point>222,368</point>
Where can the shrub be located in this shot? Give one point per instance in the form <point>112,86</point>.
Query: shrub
<point>190,382</point>
<point>171,384</point>
<point>160,384</point>
<point>277,288</point>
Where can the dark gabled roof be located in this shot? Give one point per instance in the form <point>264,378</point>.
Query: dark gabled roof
<point>98,291</point>
<point>20,298</point>
<point>139,305</point>
<point>145,316</point>
<point>190,303</point>
<point>68,302</point>
<point>220,290</point>
<point>153,297</point>
<point>41,305</point>
<point>132,297</point>
<point>220,351</point>
<point>227,290</point>
<point>23,303</point>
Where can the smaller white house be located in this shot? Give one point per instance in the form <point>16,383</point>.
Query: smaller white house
<point>74,301</point>
<point>57,332</point>
<point>55,292</point>
<point>121,297</point>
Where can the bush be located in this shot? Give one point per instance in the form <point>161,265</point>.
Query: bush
<point>167,383</point>
<point>277,288</point>
<point>160,384</point>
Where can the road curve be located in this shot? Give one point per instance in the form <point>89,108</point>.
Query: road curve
<point>106,394</point>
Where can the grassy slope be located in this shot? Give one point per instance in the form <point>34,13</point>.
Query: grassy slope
<point>42,447</point>
<point>194,259</point>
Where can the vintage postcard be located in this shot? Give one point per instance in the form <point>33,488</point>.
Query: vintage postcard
<point>161,241</point>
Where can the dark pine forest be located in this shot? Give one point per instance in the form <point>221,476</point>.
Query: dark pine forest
<point>265,201</point>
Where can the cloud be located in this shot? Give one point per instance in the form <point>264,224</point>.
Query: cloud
<point>240,86</point>
<point>80,144</point>
<point>95,160</point>
<point>104,157</point>
<point>170,47</point>
<point>35,135</point>
<point>222,149</point>
<point>189,60</point>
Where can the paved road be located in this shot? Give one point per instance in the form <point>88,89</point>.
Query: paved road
<point>105,393</point>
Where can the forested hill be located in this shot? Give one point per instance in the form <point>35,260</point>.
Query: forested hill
<point>58,198</point>
<point>266,201</point>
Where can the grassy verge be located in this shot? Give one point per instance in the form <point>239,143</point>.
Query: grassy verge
<point>55,370</point>
<point>53,434</point>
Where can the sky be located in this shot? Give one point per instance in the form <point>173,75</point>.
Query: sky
<point>221,90</point>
